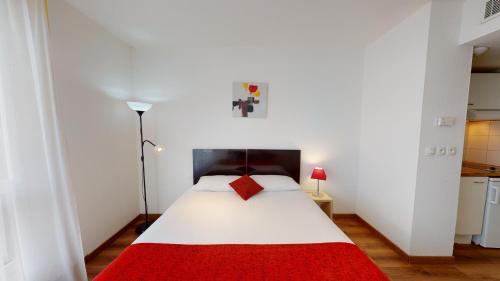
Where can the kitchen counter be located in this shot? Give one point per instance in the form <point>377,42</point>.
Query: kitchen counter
<point>471,172</point>
<point>470,169</point>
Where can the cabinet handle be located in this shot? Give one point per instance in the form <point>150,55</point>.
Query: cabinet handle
<point>478,182</point>
<point>497,195</point>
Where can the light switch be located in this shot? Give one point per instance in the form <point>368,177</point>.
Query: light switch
<point>452,150</point>
<point>430,151</point>
<point>441,151</point>
<point>445,121</point>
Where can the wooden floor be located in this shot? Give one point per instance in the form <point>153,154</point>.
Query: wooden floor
<point>472,263</point>
<point>109,254</point>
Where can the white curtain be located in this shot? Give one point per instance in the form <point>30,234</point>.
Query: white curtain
<point>39,231</point>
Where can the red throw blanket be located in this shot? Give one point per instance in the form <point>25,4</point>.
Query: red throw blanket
<point>323,261</point>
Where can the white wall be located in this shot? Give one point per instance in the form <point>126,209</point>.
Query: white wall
<point>413,74</point>
<point>472,26</point>
<point>446,93</point>
<point>92,72</point>
<point>314,105</point>
<point>394,73</point>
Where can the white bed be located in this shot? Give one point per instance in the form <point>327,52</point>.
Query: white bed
<point>199,237</point>
<point>204,217</point>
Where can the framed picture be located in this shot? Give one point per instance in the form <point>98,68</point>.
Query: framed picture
<point>250,99</point>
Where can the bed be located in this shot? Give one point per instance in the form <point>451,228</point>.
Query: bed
<point>275,235</point>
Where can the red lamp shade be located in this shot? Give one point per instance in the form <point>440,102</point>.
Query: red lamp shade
<point>318,174</point>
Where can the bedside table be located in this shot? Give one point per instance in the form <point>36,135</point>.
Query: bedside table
<point>325,202</point>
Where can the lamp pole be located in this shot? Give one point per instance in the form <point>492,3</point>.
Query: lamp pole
<point>317,190</point>
<point>140,229</point>
<point>143,226</point>
<point>140,108</point>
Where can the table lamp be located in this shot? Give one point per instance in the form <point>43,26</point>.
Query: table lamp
<point>318,174</point>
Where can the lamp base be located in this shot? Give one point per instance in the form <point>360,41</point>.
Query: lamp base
<point>142,227</point>
<point>318,194</point>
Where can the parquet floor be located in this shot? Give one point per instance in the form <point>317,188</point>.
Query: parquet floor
<point>472,262</point>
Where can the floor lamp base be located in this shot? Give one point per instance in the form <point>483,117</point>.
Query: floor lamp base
<point>142,227</point>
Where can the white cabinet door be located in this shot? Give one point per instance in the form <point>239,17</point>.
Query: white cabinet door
<point>483,90</point>
<point>471,204</point>
<point>483,94</point>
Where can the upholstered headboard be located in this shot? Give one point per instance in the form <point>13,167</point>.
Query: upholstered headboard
<point>246,161</point>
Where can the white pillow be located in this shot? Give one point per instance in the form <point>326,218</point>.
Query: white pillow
<point>276,182</point>
<point>215,183</point>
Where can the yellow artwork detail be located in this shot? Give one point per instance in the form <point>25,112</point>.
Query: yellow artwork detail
<point>245,86</point>
<point>257,93</point>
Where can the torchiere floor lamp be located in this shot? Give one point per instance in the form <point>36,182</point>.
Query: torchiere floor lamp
<point>140,108</point>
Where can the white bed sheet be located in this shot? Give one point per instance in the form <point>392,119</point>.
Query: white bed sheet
<point>204,217</point>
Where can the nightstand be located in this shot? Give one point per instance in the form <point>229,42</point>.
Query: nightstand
<point>325,202</point>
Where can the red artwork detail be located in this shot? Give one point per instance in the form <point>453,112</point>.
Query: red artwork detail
<point>322,261</point>
<point>253,88</point>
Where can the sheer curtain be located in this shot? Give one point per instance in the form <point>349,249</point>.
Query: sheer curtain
<point>39,231</point>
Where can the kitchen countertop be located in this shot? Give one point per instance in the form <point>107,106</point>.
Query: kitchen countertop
<point>470,169</point>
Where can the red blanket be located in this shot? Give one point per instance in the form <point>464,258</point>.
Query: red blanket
<point>323,261</point>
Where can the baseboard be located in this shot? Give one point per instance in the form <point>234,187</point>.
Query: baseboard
<point>110,241</point>
<point>403,255</point>
<point>431,259</point>
<point>115,236</point>
<point>344,216</point>
<point>150,216</point>
<point>386,240</point>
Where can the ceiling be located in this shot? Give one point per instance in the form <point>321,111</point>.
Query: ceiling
<point>489,61</point>
<point>190,23</point>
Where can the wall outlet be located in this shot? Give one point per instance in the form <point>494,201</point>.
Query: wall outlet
<point>452,150</point>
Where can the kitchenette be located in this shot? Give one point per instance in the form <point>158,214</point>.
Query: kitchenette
<point>478,217</point>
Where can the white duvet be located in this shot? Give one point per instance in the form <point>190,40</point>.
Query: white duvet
<point>204,217</point>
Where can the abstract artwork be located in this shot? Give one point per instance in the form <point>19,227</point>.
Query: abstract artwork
<point>249,99</point>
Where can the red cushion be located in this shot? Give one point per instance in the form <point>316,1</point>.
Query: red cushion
<point>246,187</point>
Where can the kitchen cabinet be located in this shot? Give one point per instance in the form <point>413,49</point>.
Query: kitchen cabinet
<point>471,202</point>
<point>483,94</point>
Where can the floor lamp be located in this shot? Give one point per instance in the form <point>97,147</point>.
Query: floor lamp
<point>140,108</point>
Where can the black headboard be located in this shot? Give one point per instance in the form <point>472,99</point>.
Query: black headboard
<point>246,161</point>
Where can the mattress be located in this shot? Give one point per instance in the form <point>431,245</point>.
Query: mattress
<point>204,218</point>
